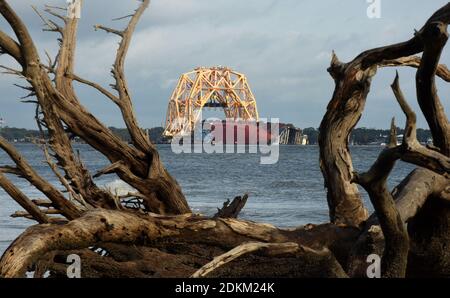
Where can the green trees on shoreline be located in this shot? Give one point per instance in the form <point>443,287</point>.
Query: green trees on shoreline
<point>359,136</point>
<point>27,135</point>
<point>367,136</point>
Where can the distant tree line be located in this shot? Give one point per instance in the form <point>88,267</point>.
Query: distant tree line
<point>27,135</point>
<point>20,134</point>
<point>365,136</point>
<point>359,136</point>
<point>155,133</point>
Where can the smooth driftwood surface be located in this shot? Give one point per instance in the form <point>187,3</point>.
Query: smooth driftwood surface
<point>245,248</point>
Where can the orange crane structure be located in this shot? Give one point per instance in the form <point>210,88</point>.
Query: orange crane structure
<point>213,87</point>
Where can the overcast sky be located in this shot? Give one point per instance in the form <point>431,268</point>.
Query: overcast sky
<point>283,46</point>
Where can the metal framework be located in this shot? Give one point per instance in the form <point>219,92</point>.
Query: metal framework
<point>215,87</point>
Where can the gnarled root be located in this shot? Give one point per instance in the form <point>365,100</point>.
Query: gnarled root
<point>411,195</point>
<point>171,237</point>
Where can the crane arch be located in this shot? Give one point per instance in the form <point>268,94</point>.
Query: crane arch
<point>214,87</point>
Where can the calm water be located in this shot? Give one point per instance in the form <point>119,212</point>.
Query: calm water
<point>288,193</point>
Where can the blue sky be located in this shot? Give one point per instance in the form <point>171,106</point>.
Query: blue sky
<point>283,46</point>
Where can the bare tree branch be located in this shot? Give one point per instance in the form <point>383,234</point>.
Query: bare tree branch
<point>411,150</point>
<point>352,84</point>
<point>246,248</point>
<point>414,61</point>
<point>10,46</point>
<point>102,90</point>
<point>22,200</point>
<point>51,26</point>
<point>375,183</point>
<point>435,37</point>
<point>139,138</point>
<point>109,30</point>
<point>69,210</point>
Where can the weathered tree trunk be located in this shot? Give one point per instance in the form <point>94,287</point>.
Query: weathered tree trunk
<point>343,112</point>
<point>140,166</point>
<point>430,229</point>
<point>353,81</point>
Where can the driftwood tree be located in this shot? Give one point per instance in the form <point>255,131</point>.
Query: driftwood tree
<point>158,236</point>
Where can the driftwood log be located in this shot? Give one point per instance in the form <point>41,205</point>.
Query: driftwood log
<point>152,232</point>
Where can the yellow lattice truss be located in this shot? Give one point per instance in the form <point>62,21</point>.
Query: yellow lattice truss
<point>215,87</point>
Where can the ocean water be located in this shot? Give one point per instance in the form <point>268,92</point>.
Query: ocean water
<point>288,193</point>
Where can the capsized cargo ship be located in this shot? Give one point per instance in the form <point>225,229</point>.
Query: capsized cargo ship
<point>240,132</point>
